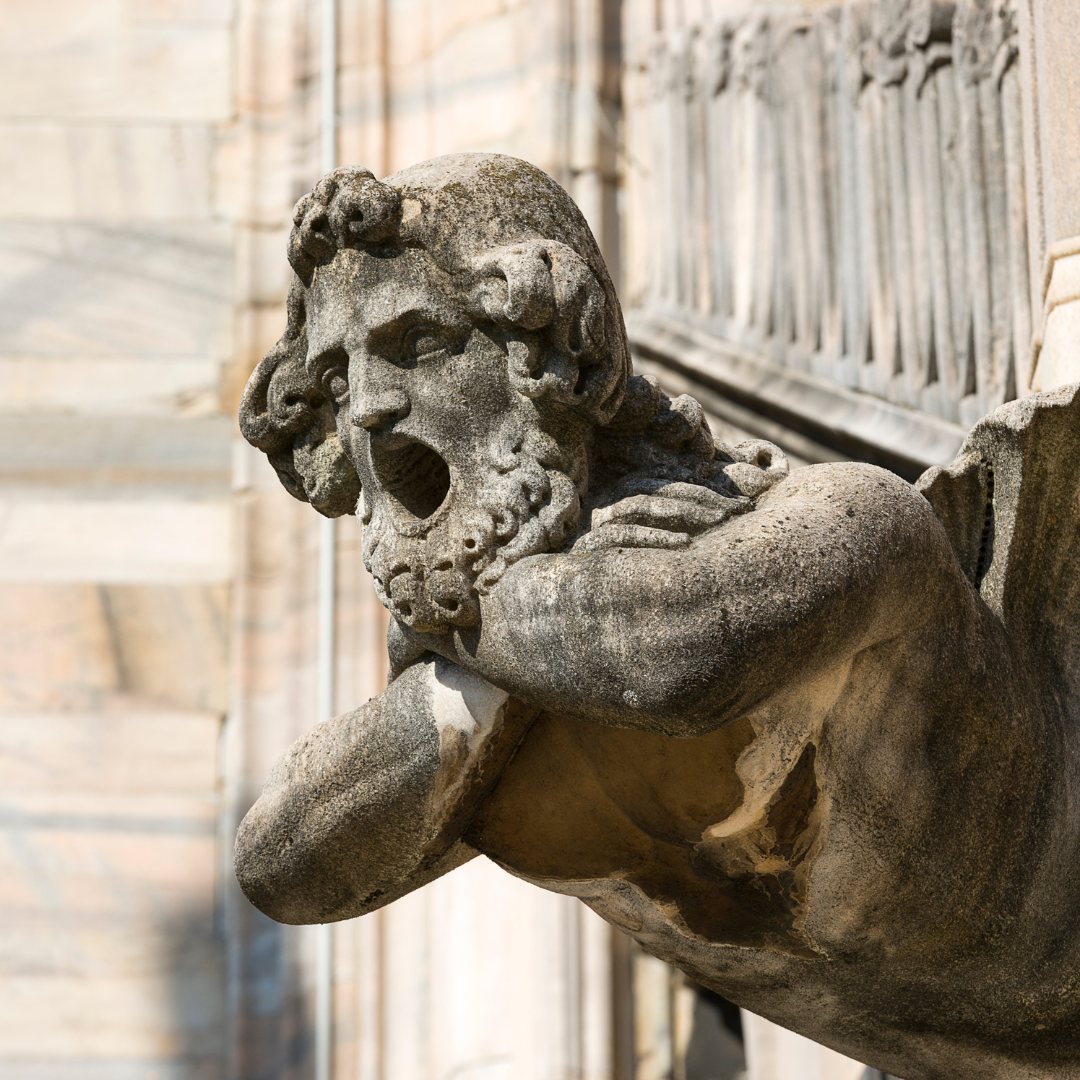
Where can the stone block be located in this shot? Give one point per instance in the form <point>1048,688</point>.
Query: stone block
<point>447,20</point>
<point>773,1052</point>
<point>156,541</point>
<point>253,170</point>
<point>464,92</point>
<point>128,749</point>
<point>182,11</point>
<point>501,1007</point>
<point>56,651</point>
<point>125,1068</point>
<point>171,642</point>
<point>1057,56</point>
<point>482,86</point>
<point>108,386</point>
<point>1059,359</point>
<point>109,950</point>
<point>263,276</point>
<point>75,646</point>
<point>127,290</point>
<point>93,59</point>
<point>109,455</point>
<point>1057,356</point>
<point>123,172</point>
<point>109,824</point>
<point>257,327</point>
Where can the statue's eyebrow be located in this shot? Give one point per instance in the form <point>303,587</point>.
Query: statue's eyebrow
<point>387,335</point>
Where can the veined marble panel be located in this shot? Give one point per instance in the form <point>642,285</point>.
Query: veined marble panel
<point>113,457</point>
<point>447,20</point>
<point>467,994</point>
<point>50,170</point>
<point>107,949</point>
<point>103,386</point>
<point>84,290</point>
<point>77,647</point>
<point>156,540</point>
<point>97,59</point>
<point>124,1068</point>
<point>1057,359</point>
<point>134,748</point>
<point>774,1053</point>
<point>216,11</point>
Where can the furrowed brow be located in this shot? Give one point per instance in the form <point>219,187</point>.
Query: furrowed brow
<point>387,336</point>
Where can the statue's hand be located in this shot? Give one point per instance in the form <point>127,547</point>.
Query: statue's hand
<point>660,514</point>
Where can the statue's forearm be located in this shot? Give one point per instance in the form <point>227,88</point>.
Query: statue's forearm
<point>369,806</point>
<point>597,645</point>
<point>681,641</point>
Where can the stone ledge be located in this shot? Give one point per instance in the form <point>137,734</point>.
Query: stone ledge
<point>106,453</point>
<point>145,541</point>
<point>854,424</point>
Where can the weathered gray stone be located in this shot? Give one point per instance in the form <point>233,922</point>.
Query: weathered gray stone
<point>797,734</point>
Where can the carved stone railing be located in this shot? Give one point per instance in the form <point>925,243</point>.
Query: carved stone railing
<point>843,193</point>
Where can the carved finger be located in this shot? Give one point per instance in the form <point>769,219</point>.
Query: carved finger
<point>631,536</point>
<point>661,513</point>
<point>694,493</point>
<point>638,484</point>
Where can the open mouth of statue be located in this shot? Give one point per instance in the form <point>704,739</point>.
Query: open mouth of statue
<point>410,474</point>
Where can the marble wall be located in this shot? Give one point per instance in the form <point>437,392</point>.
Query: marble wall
<point>157,587</point>
<point>115,536</point>
<point>843,192</point>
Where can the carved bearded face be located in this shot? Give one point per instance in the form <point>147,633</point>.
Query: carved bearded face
<point>460,473</point>
<point>455,359</point>
<point>453,345</point>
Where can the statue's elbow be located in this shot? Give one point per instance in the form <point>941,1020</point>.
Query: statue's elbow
<point>266,869</point>
<point>682,701</point>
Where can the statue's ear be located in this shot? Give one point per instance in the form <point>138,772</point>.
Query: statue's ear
<point>546,285</point>
<point>289,418</point>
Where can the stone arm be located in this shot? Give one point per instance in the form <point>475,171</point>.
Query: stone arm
<point>369,806</point>
<point>833,560</point>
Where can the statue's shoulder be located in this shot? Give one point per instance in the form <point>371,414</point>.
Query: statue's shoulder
<point>1010,504</point>
<point>850,500</point>
<point>849,482</point>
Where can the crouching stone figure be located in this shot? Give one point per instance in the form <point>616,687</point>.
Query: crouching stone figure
<point>809,736</point>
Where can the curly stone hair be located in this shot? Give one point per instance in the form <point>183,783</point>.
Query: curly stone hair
<point>525,260</point>
<point>663,438</point>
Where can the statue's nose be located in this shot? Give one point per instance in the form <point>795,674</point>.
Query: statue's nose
<point>379,411</point>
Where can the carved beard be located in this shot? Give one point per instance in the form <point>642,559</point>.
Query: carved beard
<point>521,497</point>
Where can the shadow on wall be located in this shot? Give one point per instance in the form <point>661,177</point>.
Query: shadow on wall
<point>193,975</point>
<point>111,967</point>
<point>715,1050</point>
<point>236,1003</point>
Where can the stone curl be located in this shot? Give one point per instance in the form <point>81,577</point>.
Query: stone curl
<point>347,208</point>
<point>290,418</point>
<point>533,285</point>
<point>653,436</point>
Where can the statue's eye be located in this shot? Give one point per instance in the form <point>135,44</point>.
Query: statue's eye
<point>422,341</point>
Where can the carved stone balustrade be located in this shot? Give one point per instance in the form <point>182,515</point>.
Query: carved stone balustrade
<point>843,193</point>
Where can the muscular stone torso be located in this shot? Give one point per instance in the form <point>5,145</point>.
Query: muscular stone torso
<point>731,854</point>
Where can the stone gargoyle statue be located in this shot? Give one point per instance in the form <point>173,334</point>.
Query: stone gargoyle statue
<point>809,736</point>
